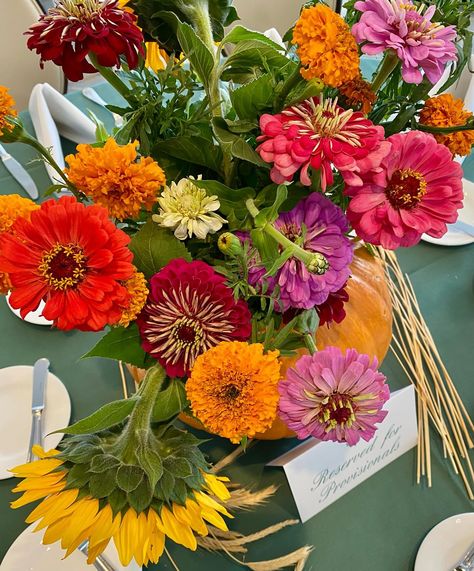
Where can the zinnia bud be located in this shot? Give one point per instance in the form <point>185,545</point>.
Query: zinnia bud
<point>229,244</point>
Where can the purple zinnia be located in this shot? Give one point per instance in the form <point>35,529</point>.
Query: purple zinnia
<point>333,396</point>
<point>399,25</point>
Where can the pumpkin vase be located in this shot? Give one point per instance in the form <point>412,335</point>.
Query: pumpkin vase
<point>367,328</point>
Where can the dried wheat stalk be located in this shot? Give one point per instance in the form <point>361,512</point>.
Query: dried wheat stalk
<point>439,404</point>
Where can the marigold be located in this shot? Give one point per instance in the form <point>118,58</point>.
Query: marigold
<point>357,94</point>
<point>12,206</point>
<point>73,517</point>
<point>112,177</point>
<point>6,109</point>
<point>233,389</point>
<point>326,46</point>
<point>138,290</point>
<point>446,111</point>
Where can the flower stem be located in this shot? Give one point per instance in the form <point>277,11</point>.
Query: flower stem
<point>289,84</point>
<point>111,77</point>
<point>453,129</point>
<point>389,63</point>
<point>310,344</point>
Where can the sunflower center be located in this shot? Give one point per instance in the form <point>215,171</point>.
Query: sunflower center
<point>64,266</point>
<point>187,332</point>
<point>336,410</point>
<point>406,188</point>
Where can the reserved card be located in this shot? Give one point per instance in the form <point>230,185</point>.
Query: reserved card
<point>319,473</point>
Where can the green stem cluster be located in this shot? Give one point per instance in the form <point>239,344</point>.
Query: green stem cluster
<point>389,63</point>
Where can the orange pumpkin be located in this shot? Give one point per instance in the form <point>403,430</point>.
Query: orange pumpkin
<point>367,328</point>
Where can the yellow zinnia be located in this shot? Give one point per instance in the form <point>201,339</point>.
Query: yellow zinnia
<point>72,518</point>
<point>233,389</point>
<point>138,290</point>
<point>112,177</point>
<point>6,109</point>
<point>326,47</point>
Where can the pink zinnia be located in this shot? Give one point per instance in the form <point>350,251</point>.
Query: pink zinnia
<point>400,25</point>
<point>333,396</point>
<point>416,190</point>
<point>189,310</point>
<point>319,134</point>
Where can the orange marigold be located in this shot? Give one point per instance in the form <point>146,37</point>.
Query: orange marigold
<point>112,177</point>
<point>12,206</point>
<point>6,109</point>
<point>326,47</point>
<point>138,290</point>
<point>233,389</point>
<point>358,95</point>
<point>446,111</point>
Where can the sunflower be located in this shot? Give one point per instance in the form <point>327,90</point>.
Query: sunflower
<point>6,109</point>
<point>446,111</point>
<point>73,516</point>
<point>12,206</point>
<point>138,291</point>
<point>326,47</point>
<point>233,389</point>
<point>113,178</point>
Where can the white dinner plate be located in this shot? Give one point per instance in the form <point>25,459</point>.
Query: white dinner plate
<point>27,553</point>
<point>16,385</point>
<point>34,317</point>
<point>446,543</point>
<point>455,236</point>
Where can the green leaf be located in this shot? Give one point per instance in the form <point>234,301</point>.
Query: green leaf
<point>108,415</point>
<point>129,477</point>
<point>196,150</point>
<point>180,492</point>
<point>165,486</point>
<point>103,462</point>
<point>278,262</point>
<point>102,485</point>
<point>78,476</point>
<point>151,462</point>
<point>153,247</point>
<point>239,34</point>
<point>231,199</point>
<point>254,54</point>
<point>178,467</point>
<point>251,99</point>
<point>117,500</point>
<point>271,213</point>
<point>282,335</point>
<point>141,497</point>
<point>81,453</point>
<point>122,344</point>
<point>170,402</point>
<point>239,147</point>
<point>196,51</point>
<point>266,246</point>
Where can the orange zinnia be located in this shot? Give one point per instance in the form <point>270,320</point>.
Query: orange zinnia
<point>326,46</point>
<point>6,109</point>
<point>112,177</point>
<point>233,389</point>
<point>446,111</point>
<point>138,291</point>
<point>12,206</point>
<point>358,95</point>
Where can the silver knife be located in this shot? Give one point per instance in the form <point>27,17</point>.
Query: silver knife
<point>40,374</point>
<point>91,94</point>
<point>464,227</point>
<point>19,173</point>
<point>101,563</point>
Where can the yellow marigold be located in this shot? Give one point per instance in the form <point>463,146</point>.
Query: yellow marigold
<point>6,109</point>
<point>12,207</point>
<point>233,389</point>
<point>326,47</point>
<point>358,95</point>
<point>138,290</point>
<point>112,177</point>
<point>446,111</point>
<point>73,517</point>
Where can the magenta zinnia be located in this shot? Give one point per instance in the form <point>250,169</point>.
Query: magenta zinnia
<point>319,134</point>
<point>401,26</point>
<point>189,310</point>
<point>334,396</point>
<point>74,29</point>
<point>416,190</point>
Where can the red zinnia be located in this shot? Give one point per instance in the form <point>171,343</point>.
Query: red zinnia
<point>72,29</point>
<point>189,310</point>
<point>72,257</point>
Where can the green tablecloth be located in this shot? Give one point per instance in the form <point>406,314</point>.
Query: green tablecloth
<point>377,526</point>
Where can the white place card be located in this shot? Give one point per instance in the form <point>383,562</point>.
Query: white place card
<point>319,473</point>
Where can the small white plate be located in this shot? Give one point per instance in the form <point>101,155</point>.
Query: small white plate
<point>27,553</point>
<point>16,385</point>
<point>446,544</point>
<point>454,236</point>
<point>34,317</point>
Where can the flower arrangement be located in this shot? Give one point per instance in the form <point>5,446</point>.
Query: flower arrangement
<point>213,232</point>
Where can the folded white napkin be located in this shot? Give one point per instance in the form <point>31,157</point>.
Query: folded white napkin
<point>52,114</point>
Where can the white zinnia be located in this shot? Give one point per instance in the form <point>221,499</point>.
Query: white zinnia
<point>186,208</point>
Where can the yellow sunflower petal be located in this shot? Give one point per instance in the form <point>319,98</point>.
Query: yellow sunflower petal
<point>176,530</point>
<point>216,486</point>
<point>190,515</point>
<point>141,547</point>
<point>214,517</point>
<point>52,508</point>
<point>55,531</point>
<point>79,521</point>
<point>125,538</point>
<point>96,550</point>
<point>38,468</point>
<point>42,453</point>
<point>207,502</point>
<point>44,482</point>
<point>33,495</point>
<point>105,526</point>
<point>157,537</point>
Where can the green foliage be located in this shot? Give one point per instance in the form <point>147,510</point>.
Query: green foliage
<point>192,149</point>
<point>170,401</point>
<point>251,99</point>
<point>235,144</point>
<point>232,200</point>
<point>122,344</point>
<point>153,247</point>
